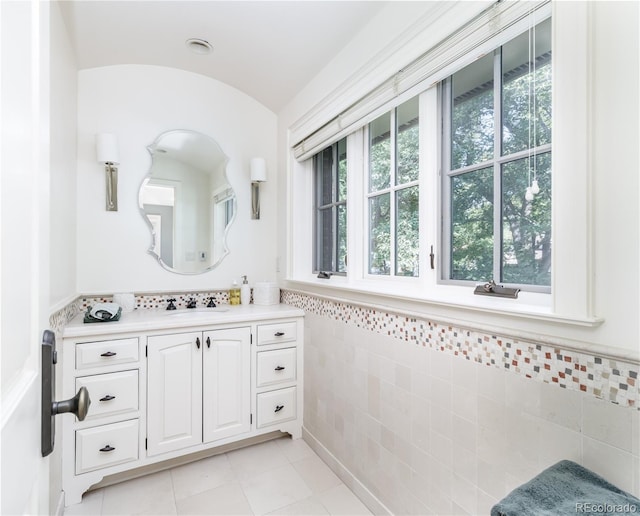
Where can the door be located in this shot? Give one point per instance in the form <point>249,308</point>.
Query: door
<point>226,383</point>
<point>24,250</point>
<point>174,392</point>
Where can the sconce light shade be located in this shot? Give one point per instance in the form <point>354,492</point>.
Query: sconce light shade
<point>258,169</point>
<point>107,148</point>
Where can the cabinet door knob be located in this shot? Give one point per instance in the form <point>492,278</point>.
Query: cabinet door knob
<point>107,448</point>
<point>109,354</point>
<point>198,342</point>
<point>279,408</point>
<point>279,368</point>
<point>278,334</point>
<point>108,397</point>
<point>208,342</point>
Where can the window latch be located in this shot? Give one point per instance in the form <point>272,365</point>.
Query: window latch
<point>492,289</point>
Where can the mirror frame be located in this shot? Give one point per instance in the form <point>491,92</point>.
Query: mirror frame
<point>151,148</point>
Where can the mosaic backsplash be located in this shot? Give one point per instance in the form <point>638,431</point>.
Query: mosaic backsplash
<point>605,378</point>
<point>613,380</point>
<point>143,302</point>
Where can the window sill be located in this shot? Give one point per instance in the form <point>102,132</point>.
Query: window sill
<point>408,296</point>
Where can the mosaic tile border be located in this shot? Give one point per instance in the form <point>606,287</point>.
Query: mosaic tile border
<point>606,378</point>
<point>59,319</point>
<point>614,380</point>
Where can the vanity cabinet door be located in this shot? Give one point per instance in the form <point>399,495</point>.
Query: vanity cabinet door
<point>174,392</point>
<point>226,383</point>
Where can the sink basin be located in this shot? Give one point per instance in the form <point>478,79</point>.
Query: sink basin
<point>193,312</point>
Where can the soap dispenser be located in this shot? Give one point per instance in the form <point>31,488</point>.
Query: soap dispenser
<point>245,292</point>
<point>234,294</point>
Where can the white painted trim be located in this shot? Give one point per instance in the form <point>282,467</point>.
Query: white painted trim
<point>16,392</point>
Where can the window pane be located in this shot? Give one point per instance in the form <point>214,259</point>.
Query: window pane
<point>407,142</point>
<point>341,266</point>
<point>342,170</point>
<point>407,232</point>
<point>526,91</point>
<point>324,160</point>
<point>472,225</point>
<point>526,225</point>
<point>379,234</point>
<point>325,240</point>
<point>472,125</point>
<point>379,153</point>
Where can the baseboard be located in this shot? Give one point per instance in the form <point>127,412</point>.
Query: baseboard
<point>60,507</point>
<point>349,479</point>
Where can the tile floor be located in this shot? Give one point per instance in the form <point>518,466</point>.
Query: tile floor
<point>283,477</point>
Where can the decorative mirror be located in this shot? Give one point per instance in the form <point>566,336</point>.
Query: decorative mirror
<point>187,202</point>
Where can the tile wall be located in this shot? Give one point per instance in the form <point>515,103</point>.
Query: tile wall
<point>443,420</point>
<point>436,419</point>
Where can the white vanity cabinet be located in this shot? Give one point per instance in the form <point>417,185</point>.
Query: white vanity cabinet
<point>199,388</point>
<point>166,385</point>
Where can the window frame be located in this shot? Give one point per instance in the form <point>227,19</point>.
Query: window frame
<point>496,163</point>
<point>333,206</point>
<point>392,191</point>
<point>571,303</point>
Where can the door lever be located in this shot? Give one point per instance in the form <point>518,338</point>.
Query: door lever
<point>78,405</point>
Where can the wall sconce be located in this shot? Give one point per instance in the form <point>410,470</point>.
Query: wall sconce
<point>107,151</point>
<point>258,175</point>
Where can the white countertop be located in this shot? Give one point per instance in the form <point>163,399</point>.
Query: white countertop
<point>161,319</point>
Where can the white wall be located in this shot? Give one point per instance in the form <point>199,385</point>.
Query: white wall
<point>611,159</point>
<point>138,103</point>
<point>62,213</point>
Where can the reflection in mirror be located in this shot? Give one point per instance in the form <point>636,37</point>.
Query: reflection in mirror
<point>187,202</point>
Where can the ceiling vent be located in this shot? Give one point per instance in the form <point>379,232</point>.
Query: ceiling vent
<point>199,46</point>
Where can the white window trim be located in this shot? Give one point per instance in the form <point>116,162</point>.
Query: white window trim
<point>571,301</point>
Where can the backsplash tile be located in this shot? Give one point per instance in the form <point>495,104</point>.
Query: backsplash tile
<point>613,380</point>
<point>606,378</point>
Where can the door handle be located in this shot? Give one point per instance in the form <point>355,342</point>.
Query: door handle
<point>78,405</point>
<point>208,342</point>
<point>198,342</point>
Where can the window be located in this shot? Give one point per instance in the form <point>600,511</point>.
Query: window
<point>497,165</point>
<point>330,167</point>
<point>393,192</point>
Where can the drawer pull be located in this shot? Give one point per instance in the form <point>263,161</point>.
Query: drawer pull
<point>279,368</point>
<point>198,342</point>
<point>208,342</point>
<point>107,448</point>
<point>108,397</point>
<point>279,408</point>
<point>278,334</point>
<point>109,354</point>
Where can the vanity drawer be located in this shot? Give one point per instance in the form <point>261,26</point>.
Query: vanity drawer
<point>111,393</point>
<point>276,366</point>
<point>276,333</point>
<point>106,353</point>
<point>106,445</point>
<point>274,407</point>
